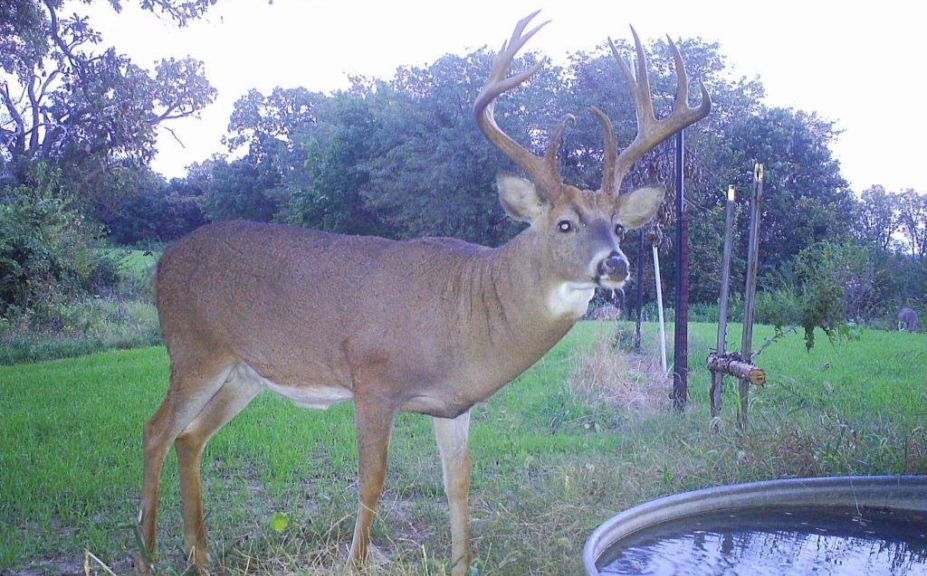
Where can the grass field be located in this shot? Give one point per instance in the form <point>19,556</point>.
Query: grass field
<point>549,464</point>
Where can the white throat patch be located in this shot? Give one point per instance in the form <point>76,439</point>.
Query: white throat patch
<point>570,299</point>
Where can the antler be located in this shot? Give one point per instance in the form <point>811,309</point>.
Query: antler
<point>650,131</point>
<point>544,172</point>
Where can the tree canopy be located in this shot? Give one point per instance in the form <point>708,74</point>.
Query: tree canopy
<point>67,101</point>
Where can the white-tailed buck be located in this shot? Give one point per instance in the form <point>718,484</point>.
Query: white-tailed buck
<point>443,324</point>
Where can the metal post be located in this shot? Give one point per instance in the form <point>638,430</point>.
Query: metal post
<point>640,289</point>
<point>717,378</point>
<point>681,336</point>
<point>746,351</point>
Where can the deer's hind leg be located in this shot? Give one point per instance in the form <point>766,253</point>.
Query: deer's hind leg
<point>234,396</point>
<point>190,391</point>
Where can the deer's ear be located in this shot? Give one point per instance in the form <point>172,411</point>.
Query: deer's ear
<point>519,198</point>
<point>639,207</point>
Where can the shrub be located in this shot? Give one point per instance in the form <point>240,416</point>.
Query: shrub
<point>781,307</point>
<point>48,248</point>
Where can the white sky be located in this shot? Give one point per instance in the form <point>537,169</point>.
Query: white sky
<point>859,63</point>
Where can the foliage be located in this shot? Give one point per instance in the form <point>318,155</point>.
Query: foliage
<point>822,272</point>
<point>48,248</point>
<point>59,326</point>
<point>71,327</point>
<point>805,199</point>
<point>876,217</point>
<point>326,192</point>
<point>912,217</point>
<point>155,211</point>
<point>435,173</point>
<point>781,307</point>
<point>237,189</point>
<point>68,101</point>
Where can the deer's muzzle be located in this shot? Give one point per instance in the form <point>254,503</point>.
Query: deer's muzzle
<point>613,269</point>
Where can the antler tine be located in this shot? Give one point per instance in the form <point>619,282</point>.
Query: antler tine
<point>682,77</point>
<point>553,148</point>
<point>611,149</point>
<point>642,86</point>
<point>542,171</point>
<point>651,131</point>
<point>498,83</point>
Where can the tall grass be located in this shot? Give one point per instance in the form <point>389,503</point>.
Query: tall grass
<point>124,317</point>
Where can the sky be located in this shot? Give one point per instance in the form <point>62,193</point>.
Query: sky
<point>860,64</point>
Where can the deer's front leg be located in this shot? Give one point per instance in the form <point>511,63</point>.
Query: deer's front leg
<point>454,444</point>
<point>374,427</point>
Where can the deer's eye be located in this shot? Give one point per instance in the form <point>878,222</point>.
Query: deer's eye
<point>619,229</point>
<point>564,225</point>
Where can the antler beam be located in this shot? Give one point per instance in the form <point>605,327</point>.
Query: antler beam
<point>545,172</point>
<point>650,131</point>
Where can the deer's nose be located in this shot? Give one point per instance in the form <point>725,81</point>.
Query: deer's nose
<point>615,266</point>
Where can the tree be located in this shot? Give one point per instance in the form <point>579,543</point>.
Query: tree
<point>266,125</point>
<point>156,211</point>
<point>48,248</point>
<point>805,198</point>
<point>66,101</point>
<point>434,172</point>
<point>242,188</point>
<point>877,217</point>
<point>912,215</point>
<point>325,189</point>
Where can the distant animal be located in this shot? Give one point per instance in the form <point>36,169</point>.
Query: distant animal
<point>908,320</point>
<point>607,312</point>
<point>437,325</point>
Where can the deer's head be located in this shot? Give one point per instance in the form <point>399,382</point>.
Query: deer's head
<point>580,229</point>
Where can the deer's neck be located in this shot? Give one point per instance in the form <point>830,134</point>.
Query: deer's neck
<point>515,309</point>
<point>531,290</point>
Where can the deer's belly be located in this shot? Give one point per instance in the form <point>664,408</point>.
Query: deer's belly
<point>440,405</point>
<point>318,397</point>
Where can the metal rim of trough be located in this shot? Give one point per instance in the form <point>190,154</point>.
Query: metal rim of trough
<point>893,492</point>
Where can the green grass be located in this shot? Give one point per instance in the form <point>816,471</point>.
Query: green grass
<point>549,466</point>
<point>136,262</point>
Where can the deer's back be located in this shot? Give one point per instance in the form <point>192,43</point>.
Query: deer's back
<point>286,300</point>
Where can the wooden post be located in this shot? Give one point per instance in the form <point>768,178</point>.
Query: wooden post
<point>732,364</point>
<point>681,336</point>
<point>746,351</point>
<point>717,378</point>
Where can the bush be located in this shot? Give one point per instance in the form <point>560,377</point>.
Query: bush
<point>782,307</point>
<point>48,248</point>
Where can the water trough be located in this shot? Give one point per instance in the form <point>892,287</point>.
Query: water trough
<point>847,525</point>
